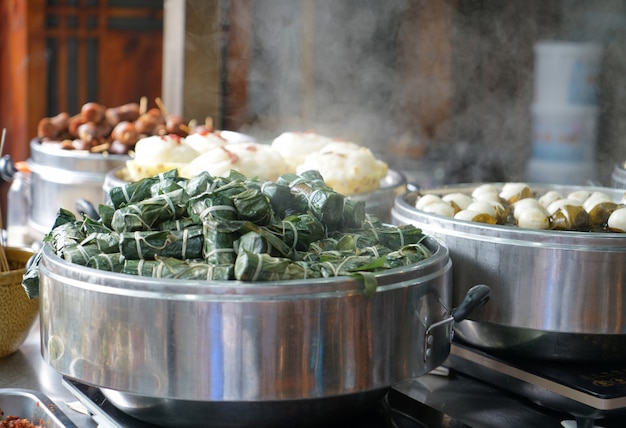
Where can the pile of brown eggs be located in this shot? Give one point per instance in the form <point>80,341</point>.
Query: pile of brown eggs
<point>517,204</point>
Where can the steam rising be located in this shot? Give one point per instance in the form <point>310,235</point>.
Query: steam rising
<point>336,67</point>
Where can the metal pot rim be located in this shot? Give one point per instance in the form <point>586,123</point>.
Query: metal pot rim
<point>405,204</point>
<point>39,151</point>
<point>54,266</point>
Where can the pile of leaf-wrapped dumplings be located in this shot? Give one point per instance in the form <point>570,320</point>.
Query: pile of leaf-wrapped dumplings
<point>225,228</point>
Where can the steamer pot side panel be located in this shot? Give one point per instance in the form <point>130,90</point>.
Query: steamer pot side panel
<point>546,285</point>
<point>255,350</point>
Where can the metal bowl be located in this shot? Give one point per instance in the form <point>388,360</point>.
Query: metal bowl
<point>555,294</point>
<point>172,352</point>
<point>61,177</point>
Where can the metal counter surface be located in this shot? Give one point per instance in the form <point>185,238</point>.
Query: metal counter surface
<point>27,369</point>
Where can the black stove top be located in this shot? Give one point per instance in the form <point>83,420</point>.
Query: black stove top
<point>382,415</point>
<point>481,391</point>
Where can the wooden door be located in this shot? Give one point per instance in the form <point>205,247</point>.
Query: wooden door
<point>56,55</point>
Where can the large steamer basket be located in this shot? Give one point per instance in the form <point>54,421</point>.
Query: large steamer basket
<point>62,177</point>
<point>176,352</point>
<point>555,294</point>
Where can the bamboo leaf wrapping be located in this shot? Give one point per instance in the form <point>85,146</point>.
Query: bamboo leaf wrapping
<point>253,242</point>
<point>353,215</point>
<point>146,214</point>
<point>112,262</point>
<point>219,242</point>
<point>263,267</point>
<point>80,254</point>
<point>185,244</point>
<point>282,200</point>
<point>179,269</point>
<point>65,235</point>
<point>212,207</point>
<point>30,280</point>
<point>312,194</point>
<point>199,184</point>
<point>252,205</point>
<point>178,224</point>
<point>137,191</point>
<point>299,231</point>
<point>220,228</point>
<point>106,212</point>
<point>106,242</point>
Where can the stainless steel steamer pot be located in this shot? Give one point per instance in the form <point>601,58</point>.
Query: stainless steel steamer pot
<point>377,202</point>
<point>61,177</point>
<point>555,294</point>
<point>176,352</point>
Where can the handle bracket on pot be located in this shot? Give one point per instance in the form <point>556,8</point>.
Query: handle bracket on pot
<point>84,207</point>
<point>475,298</point>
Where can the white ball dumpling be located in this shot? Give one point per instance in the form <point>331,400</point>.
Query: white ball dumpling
<point>533,218</point>
<point>426,199</point>
<point>440,208</point>
<point>579,195</point>
<point>617,220</point>
<point>547,198</point>
<point>347,168</point>
<point>474,216</point>
<point>524,204</point>
<point>486,192</point>
<point>156,154</point>
<point>560,204</point>
<point>250,159</point>
<point>294,147</point>
<point>595,199</point>
<point>482,207</point>
<point>513,192</point>
<point>461,200</point>
<point>205,141</point>
<point>162,149</point>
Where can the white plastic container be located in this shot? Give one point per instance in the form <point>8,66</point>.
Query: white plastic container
<point>563,133</point>
<point>555,172</point>
<point>566,73</point>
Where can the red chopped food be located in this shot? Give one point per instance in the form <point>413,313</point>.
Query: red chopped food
<point>17,422</point>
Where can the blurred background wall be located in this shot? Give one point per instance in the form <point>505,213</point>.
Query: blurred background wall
<point>438,87</point>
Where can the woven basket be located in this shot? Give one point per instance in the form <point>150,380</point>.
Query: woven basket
<point>17,311</point>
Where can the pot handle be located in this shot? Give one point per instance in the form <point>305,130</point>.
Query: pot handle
<point>83,206</point>
<point>475,298</point>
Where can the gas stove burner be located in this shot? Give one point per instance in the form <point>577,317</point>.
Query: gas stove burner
<point>584,390</point>
<point>386,414</point>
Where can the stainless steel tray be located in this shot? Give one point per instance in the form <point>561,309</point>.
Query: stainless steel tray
<point>34,406</point>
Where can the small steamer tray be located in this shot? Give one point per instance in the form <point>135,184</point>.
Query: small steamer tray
<point>34,406</point>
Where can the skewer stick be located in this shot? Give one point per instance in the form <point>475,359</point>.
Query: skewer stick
<point>4,264</point>
<point>143,105</point>
<point>4,135</point>
<point>161,106</point>
<point>184,128</point>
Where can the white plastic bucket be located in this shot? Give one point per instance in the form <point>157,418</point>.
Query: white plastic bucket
<point>555,172</point>
<point>564,133</point>
<point>566,73</point>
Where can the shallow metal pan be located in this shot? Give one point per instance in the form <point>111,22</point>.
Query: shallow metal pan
<point>34,406</point>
